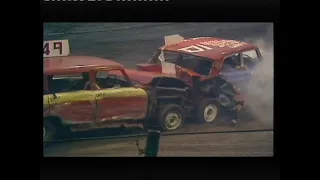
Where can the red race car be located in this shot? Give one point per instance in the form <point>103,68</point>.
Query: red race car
<point>204,57</point>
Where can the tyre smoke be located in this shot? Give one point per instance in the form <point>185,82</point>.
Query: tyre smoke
<point>260,91</point>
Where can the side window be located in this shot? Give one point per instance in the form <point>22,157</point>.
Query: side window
<point>171,56</point>
<point>188,61</point>
<point>250,58</point>
<point>67,82</point>
<point>232,61</point>
<point>111,79</point>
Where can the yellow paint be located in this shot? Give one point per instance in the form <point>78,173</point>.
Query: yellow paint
<point>70,97</point>
<point>45,101</point>
<point>87,95</point>
<point>120,93</point>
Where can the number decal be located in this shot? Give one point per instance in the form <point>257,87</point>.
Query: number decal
<point>56,48</point>
<point>203,46</point>
<point>58,45</point>
<point>195,48</point>
<point>46,50</point>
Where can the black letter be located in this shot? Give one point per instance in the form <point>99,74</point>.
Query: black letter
<point>58,45</point>
<point>46,49</point>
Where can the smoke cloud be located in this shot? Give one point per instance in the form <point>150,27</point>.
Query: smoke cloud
<point>260,92</point>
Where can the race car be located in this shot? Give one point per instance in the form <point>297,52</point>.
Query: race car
<point>81,93</point>
<point>205,57</point>
<point>204,102</point>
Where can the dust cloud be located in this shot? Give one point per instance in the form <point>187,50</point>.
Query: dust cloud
<point>260,90</point>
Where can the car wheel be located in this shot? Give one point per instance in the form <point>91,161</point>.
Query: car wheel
<point>171,117</point>
<point>208,111</point>
<point>48,132</point>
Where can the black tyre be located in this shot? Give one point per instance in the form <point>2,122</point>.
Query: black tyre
<point>48,132</point>
<point>208,111</point>
<point>171,117</point>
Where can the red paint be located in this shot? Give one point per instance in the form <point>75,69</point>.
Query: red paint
<point>77,64</point>
<point>46,112</point>
<point>143,77</point>
<point>216,53</point>
<point>84,112</point>
<point>134,107</point>
<point>79,112</point>
<point>149,67</point>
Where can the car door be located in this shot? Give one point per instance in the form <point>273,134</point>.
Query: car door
<point>74,106</point>
<point>119,101</point>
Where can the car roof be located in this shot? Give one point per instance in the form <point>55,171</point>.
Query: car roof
<point>218,45</point>
<point>78,64</point>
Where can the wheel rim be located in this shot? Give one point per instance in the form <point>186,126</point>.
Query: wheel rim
<point>210,112</point>
<point>172,121</point>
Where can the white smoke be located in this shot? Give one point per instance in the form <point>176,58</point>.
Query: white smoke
<point>260,92</point>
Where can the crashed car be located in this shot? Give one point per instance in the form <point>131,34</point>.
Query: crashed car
<point>205,57</point>
<point>204,102</point>
<point>81,93</point>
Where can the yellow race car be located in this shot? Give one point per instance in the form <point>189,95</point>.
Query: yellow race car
<point>82,93</point>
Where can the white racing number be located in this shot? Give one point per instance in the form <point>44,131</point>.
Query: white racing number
<point>209,45</point>
<point>56,48</point>
<point>195,48</point>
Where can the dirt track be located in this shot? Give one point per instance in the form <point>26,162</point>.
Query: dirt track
<point>237,144</point>
<point>132,45</point>
<point>246,144</point>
